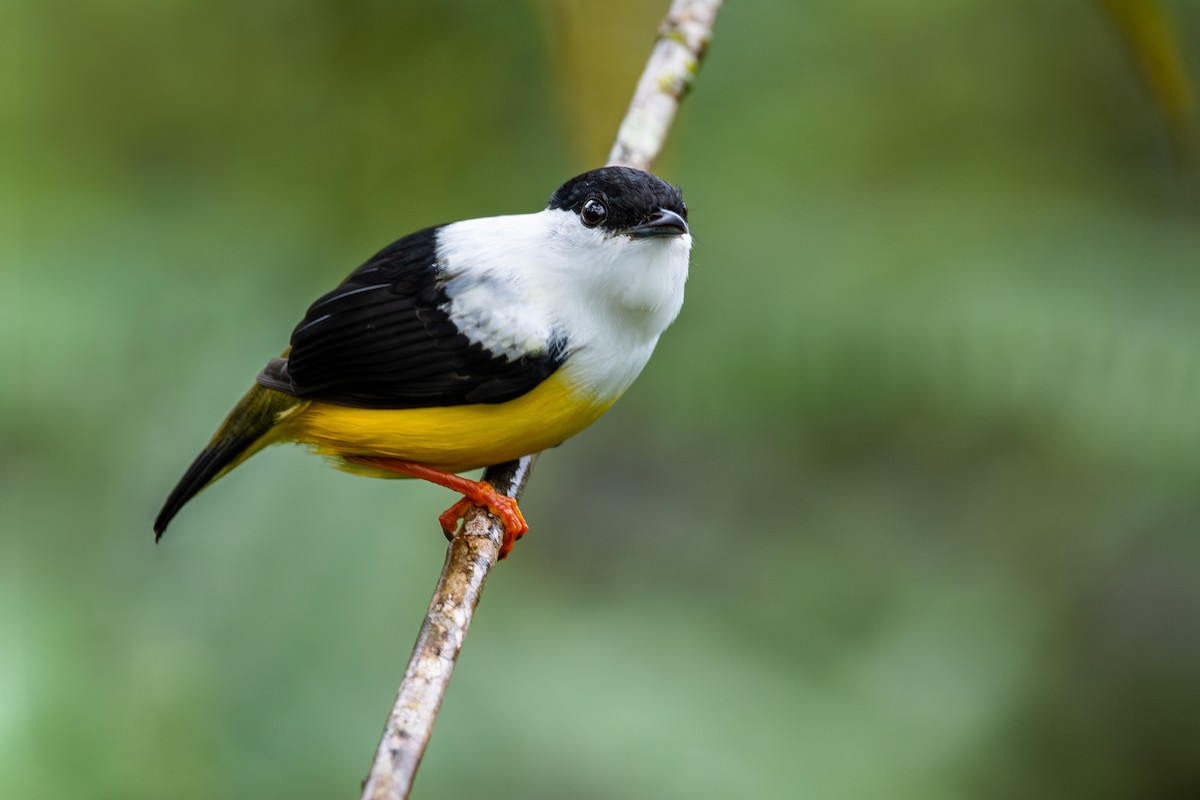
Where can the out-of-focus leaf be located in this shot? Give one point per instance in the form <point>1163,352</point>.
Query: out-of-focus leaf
<point>1153,39</point>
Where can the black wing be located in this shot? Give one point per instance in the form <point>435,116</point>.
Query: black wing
<point>383,339</point>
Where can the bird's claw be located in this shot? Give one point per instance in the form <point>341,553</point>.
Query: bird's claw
<point>501,505</point>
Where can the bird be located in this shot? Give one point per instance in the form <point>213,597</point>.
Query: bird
<point>471,343</point>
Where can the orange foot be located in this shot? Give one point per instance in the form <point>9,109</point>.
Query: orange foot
<point>475,493</point>
<point>501,505</point>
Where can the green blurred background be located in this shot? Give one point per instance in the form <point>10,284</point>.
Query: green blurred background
<point>905,505</point>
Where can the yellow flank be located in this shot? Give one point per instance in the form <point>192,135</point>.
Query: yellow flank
<point>451,438</point>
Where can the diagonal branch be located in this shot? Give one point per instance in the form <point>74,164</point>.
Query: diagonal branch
<point>673,64</point>
<point>681,44</point>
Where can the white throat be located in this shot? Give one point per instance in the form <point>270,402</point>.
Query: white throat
<point>517,280</point>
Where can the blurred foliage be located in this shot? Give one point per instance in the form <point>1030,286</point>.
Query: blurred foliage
<point>1150,32</point>
<point>905,505</point>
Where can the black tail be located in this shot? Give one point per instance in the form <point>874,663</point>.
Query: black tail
<point>243,433</point>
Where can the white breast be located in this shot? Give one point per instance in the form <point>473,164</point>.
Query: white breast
<point>515,283</point>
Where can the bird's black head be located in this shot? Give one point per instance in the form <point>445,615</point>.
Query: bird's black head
<point>624,200</point>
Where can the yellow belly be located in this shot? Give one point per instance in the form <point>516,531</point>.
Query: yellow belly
<point>452,438</point>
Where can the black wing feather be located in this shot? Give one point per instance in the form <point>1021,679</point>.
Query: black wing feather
<point>383,339</point>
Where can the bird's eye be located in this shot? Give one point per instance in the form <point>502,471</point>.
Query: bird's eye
<point>684,206</point>
<point>593,213</point>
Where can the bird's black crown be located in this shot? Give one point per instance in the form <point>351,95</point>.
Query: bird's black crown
<point>630,195</point>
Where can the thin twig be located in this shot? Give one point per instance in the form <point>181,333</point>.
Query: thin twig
<point>471,555</point>
<point>682,40</point>
<point>673,64</point>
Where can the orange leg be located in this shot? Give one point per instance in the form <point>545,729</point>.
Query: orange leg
<point>475,493</point>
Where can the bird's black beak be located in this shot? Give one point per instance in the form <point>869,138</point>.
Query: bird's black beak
<point>660,223</point>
